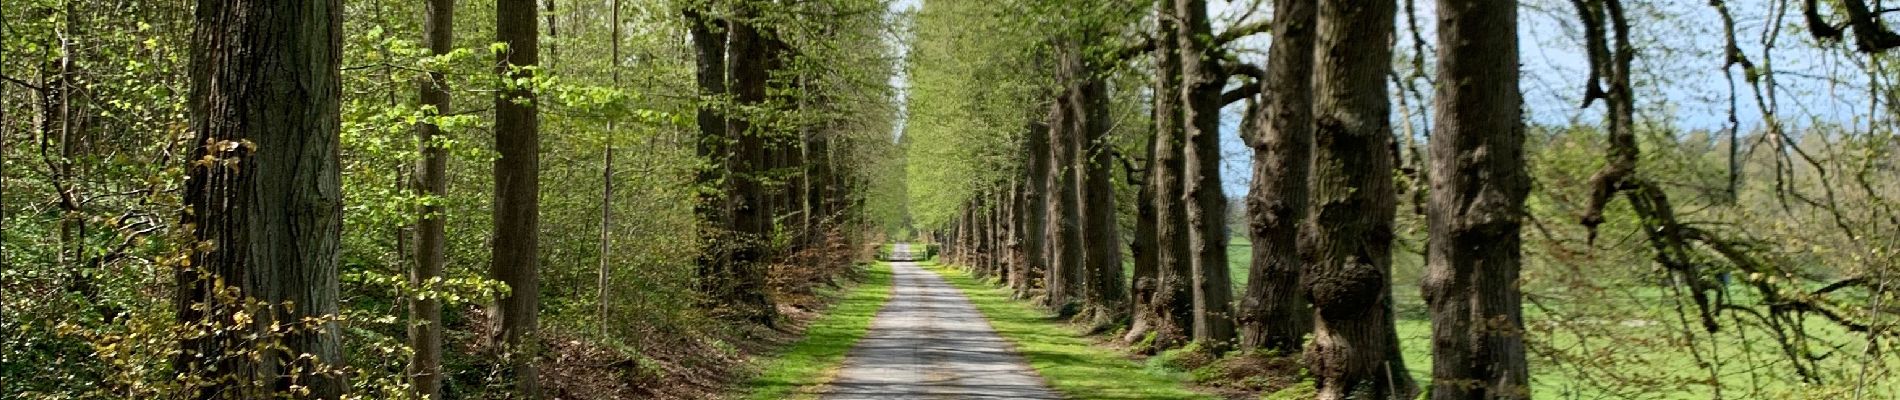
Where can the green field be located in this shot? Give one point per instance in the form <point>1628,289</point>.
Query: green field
<point>1638,344</point>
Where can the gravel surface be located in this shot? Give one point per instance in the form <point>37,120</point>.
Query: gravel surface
<point>929,342</point>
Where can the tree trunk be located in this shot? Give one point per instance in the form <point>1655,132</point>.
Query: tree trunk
<point>1065,269</point>
<point>1035,214</point>
<point>713,203</point>
<point>778,146</point>
<point>972,244</point>
<point>1101,237</point>
<point>751,213</point>
<point>264,201</point>
<point>1201,84</point>
<point>1142,286</point>
<point>999,225</point>
<point>517,195</point>
<point>1171,308</point>
<point>604,272</point>
<point>992,249</point>
<point>818,178</point>
<point>980,220</point>
<point>1013,224</point>
<point>425,312</point>
<point>1478,189</point>
<point>1354,352</point>
<point>1274,314</point>
<point>798,192</point>
<point>955,243</point>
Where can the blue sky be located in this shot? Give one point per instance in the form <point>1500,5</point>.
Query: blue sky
<point>1678,73</point>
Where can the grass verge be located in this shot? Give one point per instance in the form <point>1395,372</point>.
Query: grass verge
<point>807,364</point>
<point>1066,359</point>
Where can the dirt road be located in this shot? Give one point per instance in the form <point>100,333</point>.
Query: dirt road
<point>929,342</point>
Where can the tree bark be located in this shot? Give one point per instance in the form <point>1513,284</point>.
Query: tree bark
<point>713,203</point>
<point>264,201</point>
<point>1014,224</point>
<point>1274,314</point>
<point>425,311</point>
<point>1477,199</point>
<point>1354,352</point>
<point>818,178</point>
<point>1035,213</point>
<point>964,244</point>
<point>1065,268</point>
<point>779,146</point>
<point>518,195</point>
<point>1106,293</point>
<point>999,222</point>
<point>980,213</point>
<point>1142,248</point>
<point>751,213</point>
<point>1170,309</point>
<point>604,271</point>
<point>1201,84</point>
<point>798,192</point>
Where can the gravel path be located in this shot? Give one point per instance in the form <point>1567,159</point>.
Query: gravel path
<point>929,342</point>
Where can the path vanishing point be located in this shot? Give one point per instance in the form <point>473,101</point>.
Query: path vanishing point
<point>930,342</point>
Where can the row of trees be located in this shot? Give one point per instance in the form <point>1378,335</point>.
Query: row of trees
<point>336,201</point>
<point>1325,79</point>
<point>1033,198</point>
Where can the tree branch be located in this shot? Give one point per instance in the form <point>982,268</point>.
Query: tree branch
<point>1817,25</point>
<point>1241,31</point>
<point>1870,35</point>
<point>1147,43</point>
<point>1238,94</point>
<point>22,83</point>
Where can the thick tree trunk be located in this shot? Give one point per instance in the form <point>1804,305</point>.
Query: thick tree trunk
<point>1106,294</point>
<point>992,234</point>
<point>425,312</point>
<point>1354,352</point>
<point>1014,225</point>
<point>1274,315</point>
<point>1170,311</point>
<point>971,246</point>
<point>712,206</point>
<point>518,195</point>
<point>1477,198</point>
<point>818,178</point>
<point>1065,268</point>
<point>1142,248</point>
<point>1201,84</point>
<point>751,213</point>
<point>999,222</point>
<point>264,195</point>
<point>1035,214</point>
<point>980,213</point>
<point>954,243</point>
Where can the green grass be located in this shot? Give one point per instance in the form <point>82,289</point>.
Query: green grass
<point>1646,351</point>
<point>813,359</point>
<point>1064,357</point>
